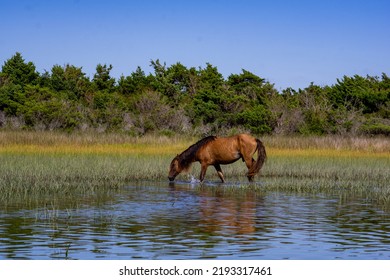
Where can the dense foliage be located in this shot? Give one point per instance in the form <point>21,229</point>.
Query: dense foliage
<point>177,99</point>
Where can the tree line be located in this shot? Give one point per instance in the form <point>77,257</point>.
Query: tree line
<point>180,100</point>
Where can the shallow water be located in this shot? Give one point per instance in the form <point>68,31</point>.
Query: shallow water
<point>154,220</point>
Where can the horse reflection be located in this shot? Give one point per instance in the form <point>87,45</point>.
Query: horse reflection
<point>229,215</point>
<point>222,212</point>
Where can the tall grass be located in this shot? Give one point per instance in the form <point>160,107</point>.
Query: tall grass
<point>15,142</point>
<point>49,162</point>
<point>330,142</point>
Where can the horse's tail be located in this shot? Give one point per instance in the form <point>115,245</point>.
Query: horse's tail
<point>261,157</point>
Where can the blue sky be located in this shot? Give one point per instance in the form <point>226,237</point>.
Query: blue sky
<point>289,43</point>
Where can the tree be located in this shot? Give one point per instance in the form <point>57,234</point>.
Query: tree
<point>208,102</point>
<point>12,97</point>
<point>15,70</point>
<point>176,99</point>
<point>251,96</point>
<point>361,93</point>
<point>102,79</point>
<point>154,114</point>
<point>136,83</point>
<point>173,82</point>
<point>257,119</point>
<point>248,85</point>
<point>384,87</point>
<point>315,108</point>
<point>69,80</point>
<point>210,78</point>
<point>178,77</point>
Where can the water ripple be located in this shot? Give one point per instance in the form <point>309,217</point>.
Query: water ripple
<point>187,222</point>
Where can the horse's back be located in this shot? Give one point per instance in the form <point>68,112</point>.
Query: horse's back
<point>221,150</point>
<point>226,150</point>
<point>237,141</point>
<point>246,141</point>
<point>246,137</point>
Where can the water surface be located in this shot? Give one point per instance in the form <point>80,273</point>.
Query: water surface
<point>155,220</point>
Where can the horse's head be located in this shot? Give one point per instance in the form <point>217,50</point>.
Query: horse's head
<point>174,169</point>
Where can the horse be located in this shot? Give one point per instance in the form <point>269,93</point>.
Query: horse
<point>213,150</point>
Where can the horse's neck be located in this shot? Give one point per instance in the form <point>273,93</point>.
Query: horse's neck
<point>186,159</point>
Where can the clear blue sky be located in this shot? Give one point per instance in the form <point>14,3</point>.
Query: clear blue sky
<point>290,43</point>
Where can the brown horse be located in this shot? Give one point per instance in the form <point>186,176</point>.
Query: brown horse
<point>215,151</point>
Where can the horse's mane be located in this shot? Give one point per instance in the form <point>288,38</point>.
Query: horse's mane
<point>187,157</point>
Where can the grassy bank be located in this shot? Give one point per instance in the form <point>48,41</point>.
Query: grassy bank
<point>62,143</point>
<point>36,162</point>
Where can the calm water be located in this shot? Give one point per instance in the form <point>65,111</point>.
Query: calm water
<point>158,221</point>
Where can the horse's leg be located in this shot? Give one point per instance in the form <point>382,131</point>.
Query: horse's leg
<point>203,169</point>
<point>249,161</point>
<point>220,173</point>
<point>248,149</point>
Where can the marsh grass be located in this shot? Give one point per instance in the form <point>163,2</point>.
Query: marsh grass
<point>49,162</point>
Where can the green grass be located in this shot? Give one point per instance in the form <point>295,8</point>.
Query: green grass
<point>29,173</point>
<point>44,163</point>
